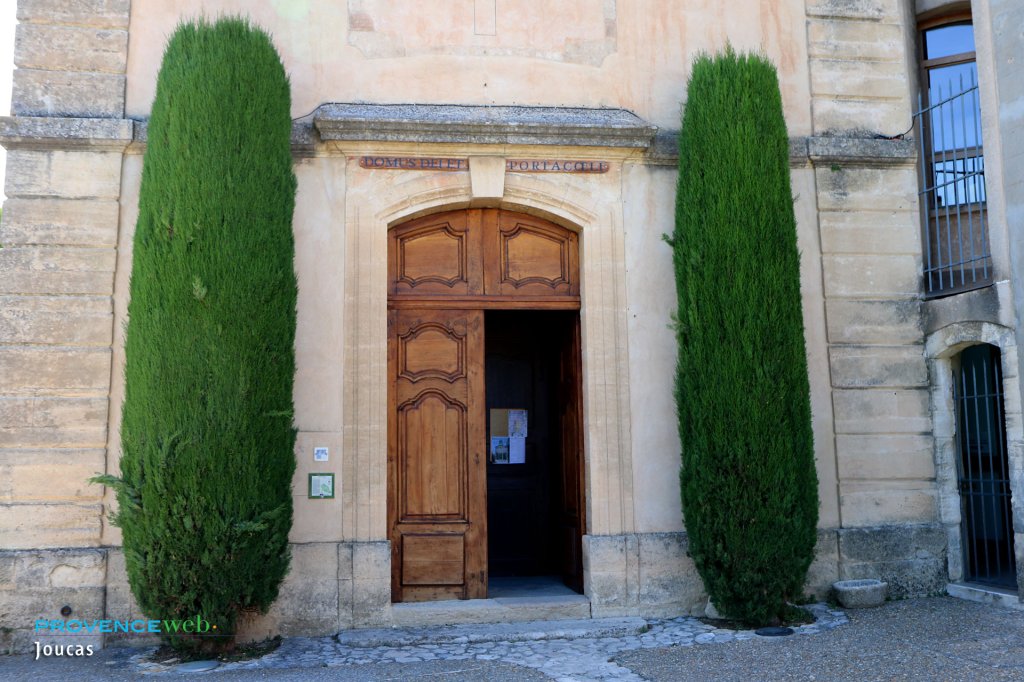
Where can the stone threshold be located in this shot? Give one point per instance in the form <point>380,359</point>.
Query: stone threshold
<point>496,610</point>
<point>984,594</point>
<point>529,631</point>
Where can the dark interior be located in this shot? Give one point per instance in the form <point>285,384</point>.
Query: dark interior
<point>524,500</point>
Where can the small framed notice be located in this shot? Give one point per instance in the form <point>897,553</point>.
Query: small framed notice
<point>321,486</point>
<point>508,436</point>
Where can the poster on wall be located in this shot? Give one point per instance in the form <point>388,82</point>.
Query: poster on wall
<point>517,423</point>
<point>516,450</point>
<point>508,436</point>
<point>499,449</point>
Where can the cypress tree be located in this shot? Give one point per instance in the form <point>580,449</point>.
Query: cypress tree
<point>207,437</point>
<point>749,487</point>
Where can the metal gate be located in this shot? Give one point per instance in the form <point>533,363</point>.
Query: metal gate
<point>984,477</point>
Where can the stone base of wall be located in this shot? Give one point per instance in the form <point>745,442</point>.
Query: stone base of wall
<point>37,584</point>
<point>911,558</point>
<point>331,586</point>
<point>652,574</point>
<point>648,574</point>
<point>824,570</point>
<point>334,586</point>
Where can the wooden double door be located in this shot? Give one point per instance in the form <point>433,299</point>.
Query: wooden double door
<point>447,273</point>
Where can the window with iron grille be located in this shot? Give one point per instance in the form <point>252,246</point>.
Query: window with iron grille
<point>957,253</point>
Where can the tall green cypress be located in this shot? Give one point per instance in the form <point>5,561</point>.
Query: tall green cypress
<point>749,487</point>
<point>207,437</point>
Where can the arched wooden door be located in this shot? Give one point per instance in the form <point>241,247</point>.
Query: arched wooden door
<point>445,271</point>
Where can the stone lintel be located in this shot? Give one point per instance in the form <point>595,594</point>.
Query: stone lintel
<point>978,305</point>
<point>861,151</point>
<point>557,126</point>
<point>665,150</point>
<point>303,138</point>
<point>349,122</point>
<point>51,132</point>
<point>863,10</point>
<point>855,151</point>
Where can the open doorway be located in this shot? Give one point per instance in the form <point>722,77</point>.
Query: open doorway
<point>450,275</point>
<point>534,503</point>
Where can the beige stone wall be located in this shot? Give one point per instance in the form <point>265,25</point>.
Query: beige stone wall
<point>593,53</point>
<point>871,260</point>
<point>858,66</point>
<point>341,221</point>
<point>70,58</point>
<point>846,71</point>
<point>651,300</point>
<point>59,233</point>
<point>376,199</point>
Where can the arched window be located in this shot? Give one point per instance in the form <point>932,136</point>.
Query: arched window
<point>983,471</point>
<point>957,254</point>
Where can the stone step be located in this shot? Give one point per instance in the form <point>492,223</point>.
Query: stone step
<point>985,595</point>
<point>495,610</point>
<point>588,628</point>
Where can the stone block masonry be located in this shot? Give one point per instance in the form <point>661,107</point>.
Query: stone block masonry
<point>59,230</point>
<point>868,221</point>
<point>875,334</point>
<point>70,58</point>
<point>38,584</point>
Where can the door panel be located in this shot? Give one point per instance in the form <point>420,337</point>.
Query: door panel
<point>432,456</point>
<point>526,256</point>
<point>433,560</point>
<point>573,513</point>
<point>438,255</point>
<point>483,258</point>
<point>436,476</point>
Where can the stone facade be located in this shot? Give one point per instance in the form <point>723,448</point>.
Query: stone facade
<point>878,351</point>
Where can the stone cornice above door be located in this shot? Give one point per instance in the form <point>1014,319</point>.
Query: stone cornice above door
<point>458,124</point>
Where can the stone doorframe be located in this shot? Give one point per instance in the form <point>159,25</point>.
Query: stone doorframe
<point>588,204</point>
<point>941,347</point>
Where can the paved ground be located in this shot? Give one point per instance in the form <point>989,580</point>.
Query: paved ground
<point>940,638</point>
<point>926,639</point>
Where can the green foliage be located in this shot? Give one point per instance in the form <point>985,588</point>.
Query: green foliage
<point>749,486</point>
<point>207,439</point>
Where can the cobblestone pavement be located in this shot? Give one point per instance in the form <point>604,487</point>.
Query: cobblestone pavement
<point>552,656</point>
<point>561,659</point>
<point>938,638</point>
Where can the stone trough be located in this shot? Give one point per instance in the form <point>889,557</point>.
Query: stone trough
<point>858,594</point>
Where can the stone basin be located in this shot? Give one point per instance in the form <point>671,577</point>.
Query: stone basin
<point>859,594</point>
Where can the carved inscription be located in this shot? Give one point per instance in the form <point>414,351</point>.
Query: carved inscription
<point>418,163</point>
<point>413,163</point>
<point>555,166</point>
